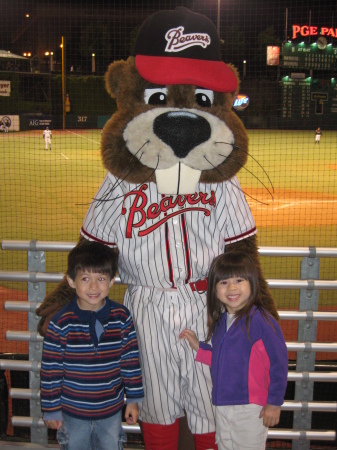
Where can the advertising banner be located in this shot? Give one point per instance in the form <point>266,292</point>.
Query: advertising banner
<point>5,88</point>
<point>9,123</point>
<point>36,122</point>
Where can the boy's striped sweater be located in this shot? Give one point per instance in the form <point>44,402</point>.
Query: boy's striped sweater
<point>84,376</point>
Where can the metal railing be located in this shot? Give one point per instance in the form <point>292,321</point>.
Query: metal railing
<point>307,316</point>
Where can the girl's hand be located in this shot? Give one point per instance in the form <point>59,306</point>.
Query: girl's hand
<point>271,415</point>
<point>191,337</point>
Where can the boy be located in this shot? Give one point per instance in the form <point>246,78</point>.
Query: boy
<point>90,355</point>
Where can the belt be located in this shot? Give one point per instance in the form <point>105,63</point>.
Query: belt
<point>199,285</point>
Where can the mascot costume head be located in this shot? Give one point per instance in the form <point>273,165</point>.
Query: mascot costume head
<point>170,203</point>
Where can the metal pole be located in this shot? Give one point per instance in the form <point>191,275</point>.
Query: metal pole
<point>286,27</point>
<point>218,19</point>
<point>63,85</point>
<point>309,25</point>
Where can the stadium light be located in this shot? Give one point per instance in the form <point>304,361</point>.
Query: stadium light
<point>93,67</point>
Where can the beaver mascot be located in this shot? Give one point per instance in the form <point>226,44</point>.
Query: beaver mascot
<point>169,203</point>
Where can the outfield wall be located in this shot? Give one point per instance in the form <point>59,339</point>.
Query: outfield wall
<point>30,122</point>
<point>85,121</point>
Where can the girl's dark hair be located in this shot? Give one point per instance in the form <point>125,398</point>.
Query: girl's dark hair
<point>94,257</point>
<point>232,265</point>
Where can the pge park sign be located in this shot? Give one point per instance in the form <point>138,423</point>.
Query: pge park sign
<point>306,30</point>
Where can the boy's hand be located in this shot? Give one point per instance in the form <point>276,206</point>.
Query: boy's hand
<point>191,337</point>
<point>53,424</point>
<point>131,413</point>
<point>271,415</point>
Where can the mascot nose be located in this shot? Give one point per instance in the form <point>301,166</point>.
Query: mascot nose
<point>182,131</point>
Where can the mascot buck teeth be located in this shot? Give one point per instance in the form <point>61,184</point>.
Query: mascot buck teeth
<point>170,202</point>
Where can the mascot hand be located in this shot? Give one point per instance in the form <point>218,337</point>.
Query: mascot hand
<point>53,303</point>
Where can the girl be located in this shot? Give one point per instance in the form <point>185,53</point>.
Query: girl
<point>248,355</point>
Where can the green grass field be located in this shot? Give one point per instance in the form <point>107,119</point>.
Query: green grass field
<point>45,194</point>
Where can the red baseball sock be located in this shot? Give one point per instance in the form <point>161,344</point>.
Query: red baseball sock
<point>160,437</point>
<point>205,441</point>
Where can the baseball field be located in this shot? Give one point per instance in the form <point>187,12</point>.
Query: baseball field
<point>289,181</point>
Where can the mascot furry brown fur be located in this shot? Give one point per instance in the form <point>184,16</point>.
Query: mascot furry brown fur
<point>170,203</point>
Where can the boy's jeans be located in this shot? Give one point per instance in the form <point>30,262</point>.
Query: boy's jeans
<point>79,434</point>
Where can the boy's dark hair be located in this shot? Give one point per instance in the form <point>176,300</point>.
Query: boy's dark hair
<point>93,257</point>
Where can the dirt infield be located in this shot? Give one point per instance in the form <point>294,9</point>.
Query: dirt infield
<point>291,208</point>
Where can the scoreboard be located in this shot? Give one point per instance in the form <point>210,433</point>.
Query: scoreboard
<point>308,56</point>
<point>308,98</point>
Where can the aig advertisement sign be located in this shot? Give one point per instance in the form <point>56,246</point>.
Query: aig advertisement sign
<point>36,122</point>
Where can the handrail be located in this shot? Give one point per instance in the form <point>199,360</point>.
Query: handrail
<point>35,366</point>
<point>328,435</point>
<point>288,405</point>
<point>53,277</point>
<point>30,336</point>
<point>36,245</point>
<point>284,314</point>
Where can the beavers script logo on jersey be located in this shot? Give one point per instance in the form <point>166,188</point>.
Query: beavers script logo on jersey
<point>153,210</point>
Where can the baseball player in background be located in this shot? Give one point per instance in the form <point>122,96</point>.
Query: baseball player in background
<point>318,134</point>
<point>47,136</point>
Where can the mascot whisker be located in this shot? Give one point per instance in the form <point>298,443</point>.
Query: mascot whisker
<point>177,204</point>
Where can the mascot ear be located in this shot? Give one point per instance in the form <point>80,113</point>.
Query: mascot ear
<point>123,82</point>
<point>114,77</point>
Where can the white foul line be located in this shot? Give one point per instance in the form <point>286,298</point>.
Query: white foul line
<point>83,137</point>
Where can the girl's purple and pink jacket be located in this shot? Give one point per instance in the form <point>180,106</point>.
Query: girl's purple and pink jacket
<point>247,369</point>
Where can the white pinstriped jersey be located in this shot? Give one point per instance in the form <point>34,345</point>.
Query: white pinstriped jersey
<point>166,241</point>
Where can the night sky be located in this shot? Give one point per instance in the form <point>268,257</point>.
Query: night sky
<point>50,20</point>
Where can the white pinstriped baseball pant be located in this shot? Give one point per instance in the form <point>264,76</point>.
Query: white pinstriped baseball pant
<point>173,381</point>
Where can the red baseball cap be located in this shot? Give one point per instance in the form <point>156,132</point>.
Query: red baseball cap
<point>182,47</point>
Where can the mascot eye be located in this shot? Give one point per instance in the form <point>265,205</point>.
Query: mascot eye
<point>155,96</point>
<point>204,97</point>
